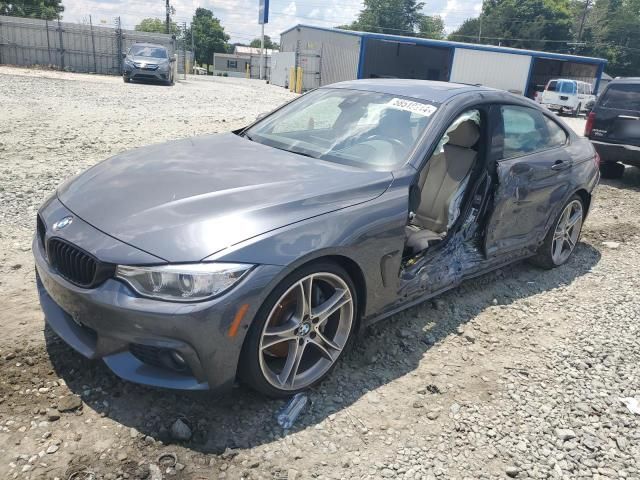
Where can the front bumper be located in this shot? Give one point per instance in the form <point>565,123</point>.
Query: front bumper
<point>158,75</point>
<point>110,322</point>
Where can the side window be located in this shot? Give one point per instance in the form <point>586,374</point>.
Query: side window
<point>553,86</point>
<point>557,136</point>
<point>525,131</point>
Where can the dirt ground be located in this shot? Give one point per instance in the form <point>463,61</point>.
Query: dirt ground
<point>516,374</point>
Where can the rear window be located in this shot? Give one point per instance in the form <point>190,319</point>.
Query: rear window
<point>553,85</point>
<point>567,87</point>
<point>622,97</point>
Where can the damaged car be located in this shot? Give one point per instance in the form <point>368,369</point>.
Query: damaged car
<point>260,253</point>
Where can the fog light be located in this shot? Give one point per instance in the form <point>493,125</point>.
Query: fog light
<point>178,360</point>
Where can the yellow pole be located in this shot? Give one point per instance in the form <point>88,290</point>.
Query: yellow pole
<point>299,81</point>
<point>248,70</point>
<point>292,79</point>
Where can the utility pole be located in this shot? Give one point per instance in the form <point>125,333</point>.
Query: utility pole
<point>193,52</point>
<point>262,59</point>
<point>168,21</point>
<point>480,22</point>
<point>184,48</point>
<point>584,18</point>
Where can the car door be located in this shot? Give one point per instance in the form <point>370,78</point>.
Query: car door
<point>533,172</point>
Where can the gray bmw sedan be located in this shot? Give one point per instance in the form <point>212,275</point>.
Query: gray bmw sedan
<point>260,253</point>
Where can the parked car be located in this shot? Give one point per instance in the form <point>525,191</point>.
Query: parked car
<point>260,253</point>
<point>148,62</point>
<point>613,126</point>
<point>564,95</point>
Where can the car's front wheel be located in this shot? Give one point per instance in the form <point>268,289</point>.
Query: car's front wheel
<point>300,331</point>
<point>563,236</point>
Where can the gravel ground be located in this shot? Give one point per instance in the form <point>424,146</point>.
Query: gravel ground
<point>516,374</point>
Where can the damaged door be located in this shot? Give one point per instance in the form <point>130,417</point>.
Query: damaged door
<point>533,173</point>
<point>442,243</point>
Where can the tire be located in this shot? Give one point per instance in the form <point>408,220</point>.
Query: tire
<point>576,112</point>
<point>264,353</point>
<point>547,256</point>
<point>611,170</point>
<point>126,79</point>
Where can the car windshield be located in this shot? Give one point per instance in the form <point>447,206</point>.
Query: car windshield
<point>147,51</point>
<point>622,97</point>
<point>369,130</point>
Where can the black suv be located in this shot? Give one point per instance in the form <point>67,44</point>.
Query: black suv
<point>613,126</point>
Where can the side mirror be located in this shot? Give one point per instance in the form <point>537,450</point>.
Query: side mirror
<point>172,59</point>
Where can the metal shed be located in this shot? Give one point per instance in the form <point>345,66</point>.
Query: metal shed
<point>349,55</point>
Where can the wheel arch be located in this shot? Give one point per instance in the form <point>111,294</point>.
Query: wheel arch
<point>585,196</point>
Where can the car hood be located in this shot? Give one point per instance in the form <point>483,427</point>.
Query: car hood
<point>185,200</point>
<point>150,60</point>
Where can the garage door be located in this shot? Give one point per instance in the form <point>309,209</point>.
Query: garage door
<point>506,71</point>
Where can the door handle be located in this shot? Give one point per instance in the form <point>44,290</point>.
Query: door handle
<point>561,164</point>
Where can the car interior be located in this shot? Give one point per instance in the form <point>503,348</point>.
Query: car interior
<point>442,184</point>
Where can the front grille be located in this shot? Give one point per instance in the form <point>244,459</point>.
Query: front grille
<point>41,229</point>
<point>72,263</point>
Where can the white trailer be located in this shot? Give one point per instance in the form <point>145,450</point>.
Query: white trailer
<point>349,55</point>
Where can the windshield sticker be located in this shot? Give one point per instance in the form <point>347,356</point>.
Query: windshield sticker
<point>413,107</point>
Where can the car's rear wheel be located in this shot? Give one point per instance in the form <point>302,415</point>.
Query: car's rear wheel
<point>300,331</point>
<point>563,237</point>
<point>611,170</point>
<point>126,79</point>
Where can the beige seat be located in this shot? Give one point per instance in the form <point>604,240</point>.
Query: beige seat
<point>442,184</point>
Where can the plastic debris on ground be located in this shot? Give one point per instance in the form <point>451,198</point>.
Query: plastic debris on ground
<point>289,413</point>
<point>632,404</point>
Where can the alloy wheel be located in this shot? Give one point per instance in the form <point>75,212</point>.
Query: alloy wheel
<point>567,232</point>
<point>306,331</point>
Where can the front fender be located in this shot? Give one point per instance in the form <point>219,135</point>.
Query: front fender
<point>370,234</point>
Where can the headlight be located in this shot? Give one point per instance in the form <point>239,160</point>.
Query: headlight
<point>183,283</point>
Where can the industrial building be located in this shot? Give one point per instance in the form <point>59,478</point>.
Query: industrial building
<point>329,55</point>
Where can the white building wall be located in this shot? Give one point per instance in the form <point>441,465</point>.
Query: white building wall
<point>506,71</point>
<point>339,53</point>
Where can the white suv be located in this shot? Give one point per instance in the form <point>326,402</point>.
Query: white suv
<point>567,95</point>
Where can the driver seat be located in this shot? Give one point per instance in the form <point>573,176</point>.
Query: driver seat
<point>442,184</point>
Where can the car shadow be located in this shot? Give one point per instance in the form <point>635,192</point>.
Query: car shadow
<point>629,181</point>
<point>384,352</point>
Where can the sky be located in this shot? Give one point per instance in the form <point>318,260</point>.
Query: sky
<point>240,17</point>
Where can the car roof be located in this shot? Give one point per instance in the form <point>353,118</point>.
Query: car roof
<point>433,91</point>
<point>625,80</point>
<point>144,44</point>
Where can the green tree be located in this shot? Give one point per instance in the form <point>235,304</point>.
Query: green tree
<point>43,9</point>
<point>534,24</point>
<point>156,25</point>
<point>431,27</point>
<point>268,43</point>
<point>467,32</point>
<point>396,17</point>
<point>209,36</point>
<point>612,31</point>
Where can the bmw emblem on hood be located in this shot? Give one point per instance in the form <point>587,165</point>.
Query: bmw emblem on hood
<point>62,223</point>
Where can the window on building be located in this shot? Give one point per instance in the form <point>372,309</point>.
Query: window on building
<point>232,64</point>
